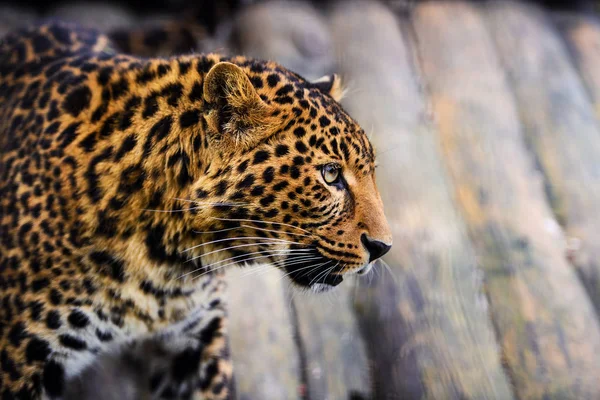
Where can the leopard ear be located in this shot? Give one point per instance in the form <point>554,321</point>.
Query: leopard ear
<point>237,115</point>
<point>331,85</point>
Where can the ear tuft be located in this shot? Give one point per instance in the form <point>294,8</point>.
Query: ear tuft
<point>238,113</point>
<point>331,85</point>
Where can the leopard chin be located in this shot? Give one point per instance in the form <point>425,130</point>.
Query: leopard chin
<point>318,273</point>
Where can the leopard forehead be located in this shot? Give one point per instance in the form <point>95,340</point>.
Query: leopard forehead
<point>318,124</point>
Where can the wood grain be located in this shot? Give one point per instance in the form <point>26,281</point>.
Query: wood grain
<point>265,355</point>
<point>573,143</point>
<point>545,322</point>
<point>426,326</point>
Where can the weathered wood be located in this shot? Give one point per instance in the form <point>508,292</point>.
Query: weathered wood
<point>292,33</point>
<point>582,36</point>
<point>427,329</point>
<point>573,143</point>
<point>264,352</point>
<point>334,355</point>
<point>546,324</point>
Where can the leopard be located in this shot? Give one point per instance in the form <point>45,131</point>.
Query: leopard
<point>129,185</point>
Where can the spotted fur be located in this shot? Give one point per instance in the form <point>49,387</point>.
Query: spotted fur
<point>127,185</point>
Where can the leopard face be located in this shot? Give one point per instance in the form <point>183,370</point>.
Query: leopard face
<point>295,176</point>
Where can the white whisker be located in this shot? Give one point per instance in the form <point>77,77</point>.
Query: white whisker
<point>261,222</point>
<point>239,246</point>
<point>236,238</point>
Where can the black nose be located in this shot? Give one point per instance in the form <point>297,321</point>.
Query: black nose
<point>375,248</point>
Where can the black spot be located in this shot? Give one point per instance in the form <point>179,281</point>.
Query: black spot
<point>53,320</point>
<point>280,186</point>
<point>128,144</point>
<point>256,82</point>
<point>189,118</point>
<point>299,132</point>
<point>150,106</point>
<point>173,93</point>
<point>38,284</point>
<point>257,191</point>
<point>204,65</point>
<point>160,130</point>
<point>201,194</point>
<point>284,90</point>
<point>183,67</point>
<point>281,150</point>
<point>77,100</point>
<point>72,342</point>
<point>261,156</point>
<point>119,88</point>
<point>78,319</point>
<point>197,92</point>
<point>221,188</point>
<point>265,201</point>
<point>269,175</point>
<point>37,350</point>
<point>324,121</point>
<point>54,379</point>
<point>246,182</point>
<point>273,80</point>
<point>17,333</point>
<point>162,70</point>
<point>36,308</point>
<point>301,147</point>
<point>294,172</point>
<point>55,297</point>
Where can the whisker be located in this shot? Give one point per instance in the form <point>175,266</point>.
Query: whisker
<point>261,222</point>
<point>256,228</point>
<point>198,206</point>
<point>275,265</point>
<point>313,266</point>
<point>235,238</point>
<point>283,251</point>
<point>276,231</point>
<point>298,262</point>
<point>239,261</point>
<point>239,246</point>
<point>211,203</point>
<point>389,269</point>
<point>316,278</point>
<point>210,268</point>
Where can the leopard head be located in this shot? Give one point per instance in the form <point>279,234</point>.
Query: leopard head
<point>291,179</point>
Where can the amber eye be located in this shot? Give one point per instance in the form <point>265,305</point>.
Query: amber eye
<point>331,173</point>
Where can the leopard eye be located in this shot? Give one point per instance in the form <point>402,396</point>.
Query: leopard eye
<point>331,173</point>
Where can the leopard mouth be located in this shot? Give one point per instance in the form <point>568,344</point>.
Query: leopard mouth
<point>318,273</point>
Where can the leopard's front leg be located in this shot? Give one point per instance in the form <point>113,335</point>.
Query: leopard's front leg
<point>216,368</point>
<point>178,362</point>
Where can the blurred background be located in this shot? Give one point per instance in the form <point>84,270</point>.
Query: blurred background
<point>485,116</point>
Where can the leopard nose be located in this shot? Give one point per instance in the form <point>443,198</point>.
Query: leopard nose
<point>375,248</point>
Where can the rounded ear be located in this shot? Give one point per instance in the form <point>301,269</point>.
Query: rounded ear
<point>236,111</point>
<point>331,85</point>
